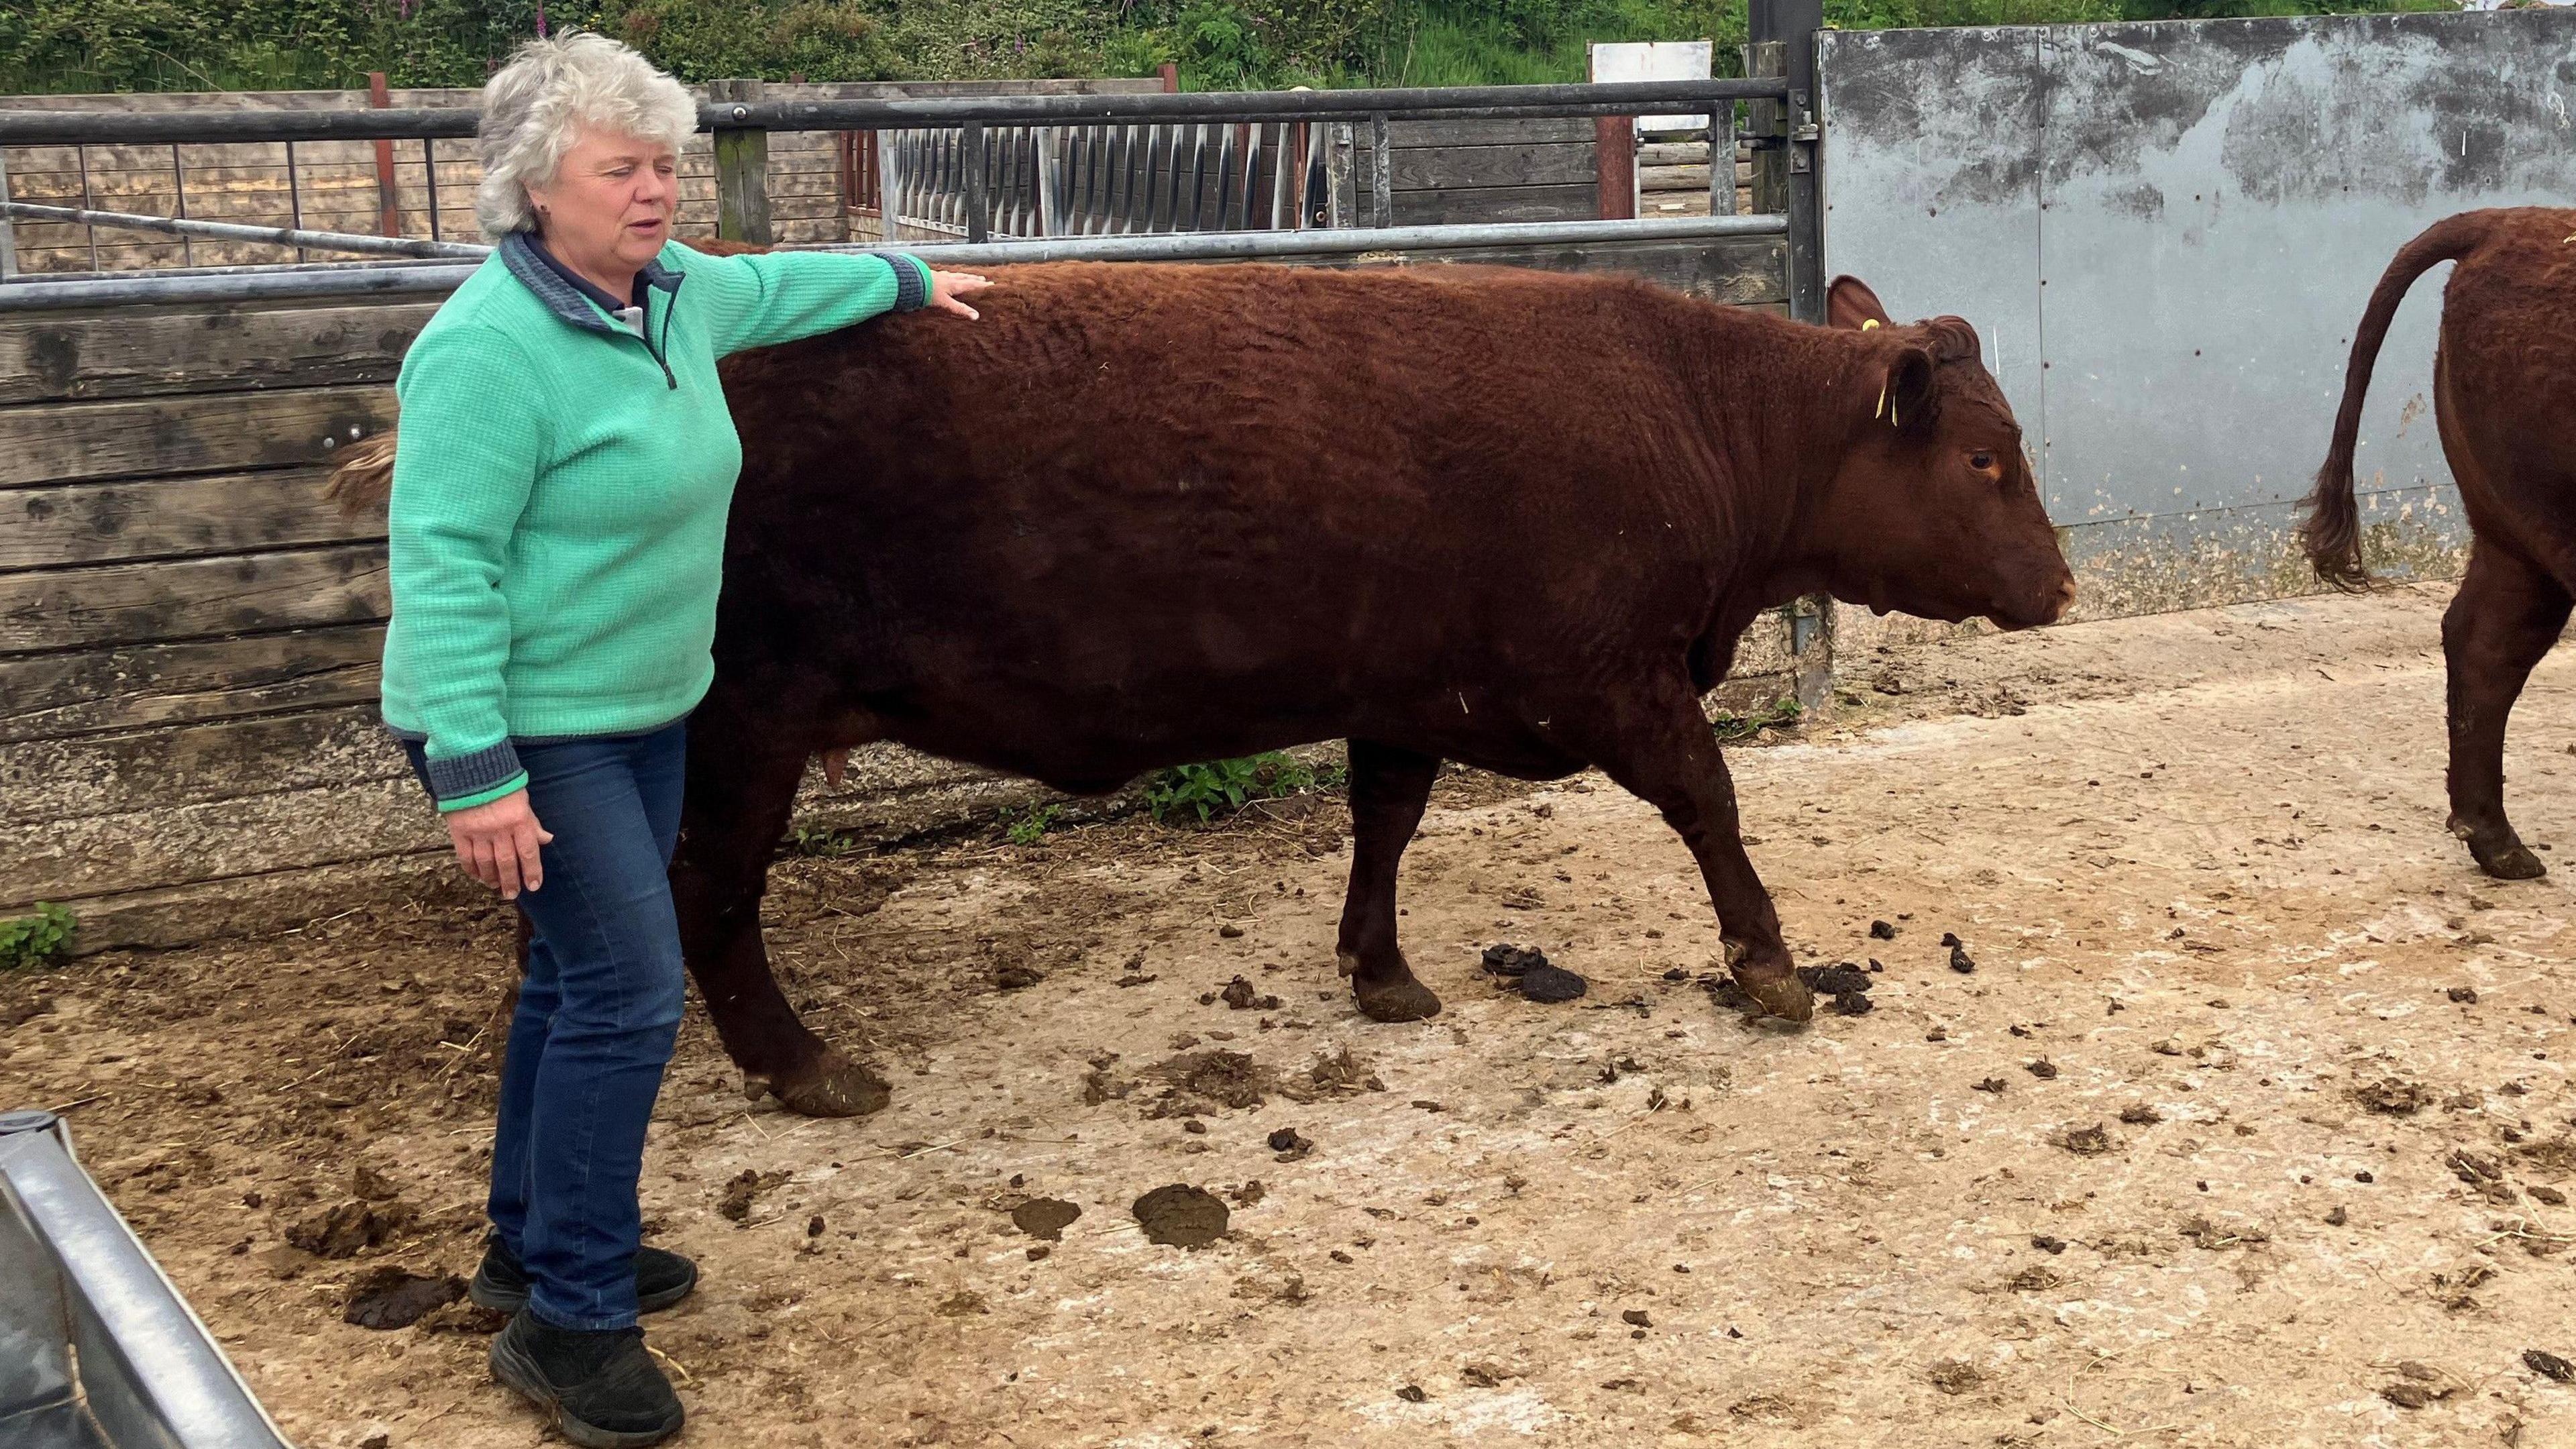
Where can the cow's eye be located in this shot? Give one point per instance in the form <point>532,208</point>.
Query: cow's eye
<point>1982,462</point>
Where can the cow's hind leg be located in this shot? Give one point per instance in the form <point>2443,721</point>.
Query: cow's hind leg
<point>2504,618</point>
<point>740,791</point>
<point>1389,788</point>
<point>1661,749</point>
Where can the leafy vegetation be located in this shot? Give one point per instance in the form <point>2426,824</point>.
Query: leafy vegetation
<point>114,45</point>
<point>1028,827</point>
<point>1783,714</point>
<point>36,940</point>
<point>823,842</point>
<point>1221,787</point>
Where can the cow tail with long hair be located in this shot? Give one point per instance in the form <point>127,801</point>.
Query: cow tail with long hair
<point>2331,533</point>
<point>364,480</point>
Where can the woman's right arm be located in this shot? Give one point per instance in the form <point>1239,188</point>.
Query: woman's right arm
<point>473,437</point>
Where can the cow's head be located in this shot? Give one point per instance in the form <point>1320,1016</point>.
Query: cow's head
<point>1932,510</point>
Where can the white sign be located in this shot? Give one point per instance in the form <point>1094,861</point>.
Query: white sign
<point>1645,60</point>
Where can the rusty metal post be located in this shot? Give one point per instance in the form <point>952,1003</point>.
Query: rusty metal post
<point>1614,142</point>
<point>388,196</point>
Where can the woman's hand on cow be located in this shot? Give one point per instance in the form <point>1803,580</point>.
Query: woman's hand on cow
<point>947,287</point>
<point>497,842</point>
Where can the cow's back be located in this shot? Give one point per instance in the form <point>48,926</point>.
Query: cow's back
<point>1143,499</point>
<point>2507,381</point>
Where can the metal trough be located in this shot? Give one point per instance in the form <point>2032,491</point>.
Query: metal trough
<point>97,1350</point>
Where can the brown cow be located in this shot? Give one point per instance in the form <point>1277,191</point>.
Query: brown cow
<point>1145,515</point>
<point>2504,387</point>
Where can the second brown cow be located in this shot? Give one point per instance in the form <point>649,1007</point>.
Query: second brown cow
<point>1145,515</point>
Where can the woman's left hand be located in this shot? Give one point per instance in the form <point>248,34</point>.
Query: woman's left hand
<point>947,287</point>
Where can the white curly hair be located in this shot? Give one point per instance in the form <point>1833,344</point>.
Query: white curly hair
<point>552,90</point>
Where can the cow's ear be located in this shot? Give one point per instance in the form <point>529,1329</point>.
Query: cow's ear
<point>1851,304</point>
<point>1905,389</point>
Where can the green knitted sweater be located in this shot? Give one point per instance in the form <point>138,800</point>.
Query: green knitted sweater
<point>560,490</point>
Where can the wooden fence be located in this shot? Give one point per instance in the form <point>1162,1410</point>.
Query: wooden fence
<point>189,637</point>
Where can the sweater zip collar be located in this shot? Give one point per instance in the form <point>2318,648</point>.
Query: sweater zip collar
<point>574,299</point>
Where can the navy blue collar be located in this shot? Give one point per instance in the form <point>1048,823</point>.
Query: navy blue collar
<point>564,291</point>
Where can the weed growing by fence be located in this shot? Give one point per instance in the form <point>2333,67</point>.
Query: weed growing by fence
<point>1028,827</point>
<point>36,940</point>
<point>1221,787</point>
<point>1730,728</point>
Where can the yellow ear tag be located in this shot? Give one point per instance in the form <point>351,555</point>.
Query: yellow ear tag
<point>1872,322</point>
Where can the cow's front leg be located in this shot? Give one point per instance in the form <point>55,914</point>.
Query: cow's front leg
<point>739,795</point>
<point>1661,749</point>
<point>1389,788</point>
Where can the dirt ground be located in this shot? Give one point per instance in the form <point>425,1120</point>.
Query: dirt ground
<point>2214,1146</point>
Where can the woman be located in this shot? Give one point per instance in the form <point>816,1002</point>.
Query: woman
<point>557,523</point>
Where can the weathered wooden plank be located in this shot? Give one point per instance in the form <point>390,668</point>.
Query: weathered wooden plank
<point>1408,135</point>
<point>139,352</point>
<point>160,919</point>
<point>86,523</point>
<point>79,608</point>
<point>1672,178</point>
<point>54,696</point>
<point>57,780</point>
<point>71,441</point>
<point>1447,167</point>
<point>1497,203</point>
<point>159,848</point>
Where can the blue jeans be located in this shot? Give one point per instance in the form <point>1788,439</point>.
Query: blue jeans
<point>598,1013</point>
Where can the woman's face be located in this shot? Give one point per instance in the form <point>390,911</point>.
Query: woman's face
<point>610,204</point>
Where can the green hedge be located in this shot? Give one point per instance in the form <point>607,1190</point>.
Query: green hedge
<point>112,45</point>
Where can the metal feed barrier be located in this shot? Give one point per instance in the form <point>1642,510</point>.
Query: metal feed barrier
<point>1096,177</point>
<point>97,1350</point>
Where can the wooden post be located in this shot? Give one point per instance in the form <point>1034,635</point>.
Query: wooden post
<point>742,169</point>
<point>1614,142</point>
<point>1381,173</point>
<point>1769,130</point>
<point>1171,77</point>
<point>388,197</point>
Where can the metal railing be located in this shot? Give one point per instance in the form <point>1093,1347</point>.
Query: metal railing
<point>96,1347</point>
<point>1103,173</point>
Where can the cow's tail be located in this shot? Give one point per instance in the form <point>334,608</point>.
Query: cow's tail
<point>365,478</point>
<point>2331,533</point>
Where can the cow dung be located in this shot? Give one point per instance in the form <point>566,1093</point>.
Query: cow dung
<point>392,1298</point>
<point>1181,1216</point>
<point>1045,1217</point>
<point>1543,982</point>
<point>1512,960</point>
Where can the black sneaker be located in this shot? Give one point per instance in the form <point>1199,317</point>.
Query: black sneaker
<point>602,1389</point>
<point>661,1279</point>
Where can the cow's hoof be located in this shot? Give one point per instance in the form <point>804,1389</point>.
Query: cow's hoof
<point>2500,852</point>
<point>1785,997</point>
<point>1406,1000</point>
<point>833,1086</point>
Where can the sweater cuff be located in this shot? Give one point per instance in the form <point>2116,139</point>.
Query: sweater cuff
<point>487,774</point>
<point>911,282</point>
